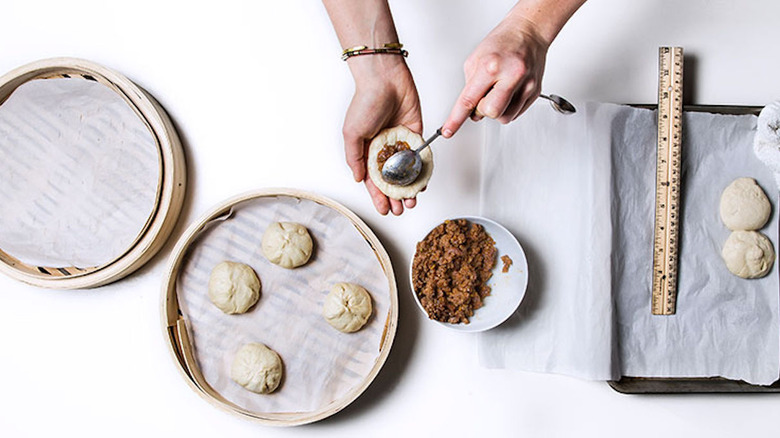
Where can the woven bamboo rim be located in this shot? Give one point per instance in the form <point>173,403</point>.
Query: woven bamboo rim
<point>175,325</point>
<point>170,185</point>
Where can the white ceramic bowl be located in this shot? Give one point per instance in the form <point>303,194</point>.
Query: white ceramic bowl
<point>506,289</point>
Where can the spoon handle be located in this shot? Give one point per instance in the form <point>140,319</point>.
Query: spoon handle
<point>427,142</point>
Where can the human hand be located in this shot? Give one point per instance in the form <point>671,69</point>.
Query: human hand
<point>503,75</point>
<point>385,96</point>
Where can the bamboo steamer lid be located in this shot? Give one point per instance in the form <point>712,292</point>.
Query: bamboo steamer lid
<point>170,185</point>
<point>176,325</point>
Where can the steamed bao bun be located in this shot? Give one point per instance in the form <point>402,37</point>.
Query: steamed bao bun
<point>257,368</point>
<point>233,287</point>
<point>287,244</point>
<point>347,307</point>
<point>392,136</point>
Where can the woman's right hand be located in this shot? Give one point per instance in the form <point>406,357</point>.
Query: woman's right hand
<point>503,75</point>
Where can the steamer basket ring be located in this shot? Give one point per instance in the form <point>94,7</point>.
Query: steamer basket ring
<point>171,184</point>
<point>176,325</point>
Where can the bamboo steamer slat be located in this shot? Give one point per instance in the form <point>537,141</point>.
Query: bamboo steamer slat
<point>176,330</point>
<point>171,183</point>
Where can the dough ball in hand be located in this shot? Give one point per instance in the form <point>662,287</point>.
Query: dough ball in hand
<point>391,140</point>
<point>347,307</point>
<point>744,206</point>
<point>233,287</point>
<point>287,244</point>
<point>748,254</point>
<point>257,368</point>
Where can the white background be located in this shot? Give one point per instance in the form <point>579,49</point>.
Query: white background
<point>258,93</point>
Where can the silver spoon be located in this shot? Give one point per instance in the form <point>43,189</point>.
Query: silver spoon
<point>560,104</point>
<point>403,167</point>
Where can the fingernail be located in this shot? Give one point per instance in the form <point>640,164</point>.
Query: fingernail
<point>447,133</point>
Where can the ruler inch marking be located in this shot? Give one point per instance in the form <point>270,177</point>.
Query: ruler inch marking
<point>668,180</point>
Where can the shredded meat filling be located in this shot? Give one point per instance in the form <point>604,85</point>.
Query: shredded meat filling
<point>389,150</point>
<point>507,263</point>
<point>451,268</point>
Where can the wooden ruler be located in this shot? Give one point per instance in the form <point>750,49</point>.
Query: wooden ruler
<point>667,181</point>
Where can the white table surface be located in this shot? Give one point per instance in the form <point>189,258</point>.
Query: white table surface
<point>258,93</point>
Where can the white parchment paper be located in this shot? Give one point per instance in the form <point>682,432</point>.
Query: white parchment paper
<point>321,364</point>
<point>546,179</point>
<point>724,326</point>
<point>79,173</point>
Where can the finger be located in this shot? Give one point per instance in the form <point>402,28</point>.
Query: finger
<point>532,94</point>
<point>396,206</point>
<point>496,101</point>
<point>472,93</point>
<point>520,102</point>
<point>476,115</point>
<point>513,110</point>
<point>381,202</point>
<point>410,202</point>
<point>355,152</point>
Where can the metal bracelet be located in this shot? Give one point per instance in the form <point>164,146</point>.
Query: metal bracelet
<point>388,48</point>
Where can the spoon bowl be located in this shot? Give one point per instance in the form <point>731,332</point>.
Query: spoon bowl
<point>403,167</point>
<point>560,104</point>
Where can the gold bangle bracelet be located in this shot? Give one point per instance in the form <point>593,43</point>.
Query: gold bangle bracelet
<point>386,49</point>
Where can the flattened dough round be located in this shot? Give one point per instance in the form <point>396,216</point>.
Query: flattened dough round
<point>233,287</point>
<point>257,368</point>
<point>287,244</point>
<point>347,307</point>
<point>748,254</point>
<point>392,136</point>
<point>744,206</point>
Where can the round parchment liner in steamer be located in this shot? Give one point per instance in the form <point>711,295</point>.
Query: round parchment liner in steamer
<point>91,175</point>
<point>324,369</point>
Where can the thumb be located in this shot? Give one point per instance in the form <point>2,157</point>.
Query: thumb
<point>354,150</point>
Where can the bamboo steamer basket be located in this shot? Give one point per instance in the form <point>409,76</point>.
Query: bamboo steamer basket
<point>170,185</point>
<point>175,324</point>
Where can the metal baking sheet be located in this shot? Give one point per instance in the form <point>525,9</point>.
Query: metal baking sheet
<point>646,385</point>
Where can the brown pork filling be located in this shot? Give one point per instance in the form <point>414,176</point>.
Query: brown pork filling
<point>389,150</point>
<point>451,268</point>
<point>507,263</point>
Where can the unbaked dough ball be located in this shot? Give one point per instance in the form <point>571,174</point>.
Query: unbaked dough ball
<point>392,136</point>
<point>744,206</point>
<point>748,254</point>
<point>233,287</point>
<point>257,368</point>
<point>347,307</point>
<point>287,244</point>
